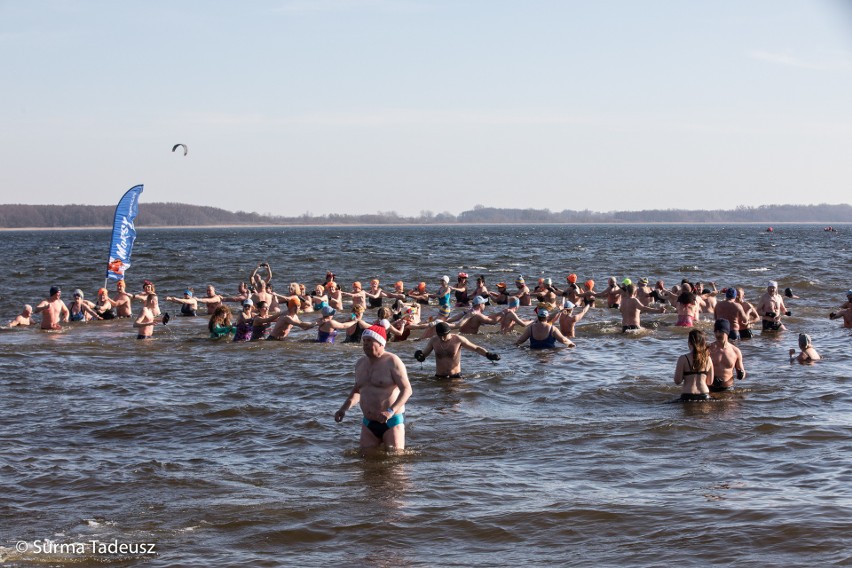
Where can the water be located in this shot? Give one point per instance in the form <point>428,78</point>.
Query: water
<point>226,454</point>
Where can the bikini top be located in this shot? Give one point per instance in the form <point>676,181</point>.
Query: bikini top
<point>685,373</point>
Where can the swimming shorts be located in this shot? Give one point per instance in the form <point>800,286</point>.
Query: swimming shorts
<point>378,429</point>
<point>144,337</point>
<point>719,385</point>
<point>615,306</point>
<point>734,335</point>
<point>769,325</point>
<point>694,397</point>
<point>745,334</point>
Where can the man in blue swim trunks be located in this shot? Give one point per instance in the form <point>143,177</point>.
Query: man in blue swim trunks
<point>382,389</point>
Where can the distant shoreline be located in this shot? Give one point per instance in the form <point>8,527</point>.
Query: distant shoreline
<point>328,225</point>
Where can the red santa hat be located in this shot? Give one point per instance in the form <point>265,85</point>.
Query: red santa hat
<point>377,333</point>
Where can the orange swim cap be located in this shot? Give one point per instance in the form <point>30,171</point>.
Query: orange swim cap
<point>356,285</point>
<point>572,278</point>
<point>421,286</point>
<point>590,284</point>
<point>399,285</point>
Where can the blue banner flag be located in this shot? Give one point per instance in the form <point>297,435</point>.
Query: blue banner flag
<point>123,234</point>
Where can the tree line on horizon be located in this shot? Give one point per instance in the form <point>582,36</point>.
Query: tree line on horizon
<point>18,216</point>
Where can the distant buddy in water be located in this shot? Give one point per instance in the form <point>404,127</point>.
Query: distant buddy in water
<point>185,149</point>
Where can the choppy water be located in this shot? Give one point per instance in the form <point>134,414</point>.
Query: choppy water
<point>228,455</point>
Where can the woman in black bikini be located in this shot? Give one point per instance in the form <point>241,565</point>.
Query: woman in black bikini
<point>695,369</point>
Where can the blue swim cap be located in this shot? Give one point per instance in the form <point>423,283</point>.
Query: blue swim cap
<point>187,293</point>
<point>328,311</point>
<point>731,292</point>
<point>514,302</point>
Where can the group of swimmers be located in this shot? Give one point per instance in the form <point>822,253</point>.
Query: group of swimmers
<point>382,386</point>
<point>265,314</point>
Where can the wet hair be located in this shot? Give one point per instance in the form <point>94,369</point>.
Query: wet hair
<point>384,313</point>
<point>698,347</point>
<point>221,315</point>
<point>686,298</point>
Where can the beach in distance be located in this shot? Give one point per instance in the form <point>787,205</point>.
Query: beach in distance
<point>227,454</point>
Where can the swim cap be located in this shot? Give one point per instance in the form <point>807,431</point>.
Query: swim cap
<point>542,313</point>
<point>328,311</point>
<point>722,325</point>
<point>399,285</point>
<point>572,278</point>
<point>120,284</point>
<point>54,290</point>
<point>772,284</point>
<point>568,305</point>
<point>643,281</point>
<point>627,282</point>
<point>514,302</point>
<point>478,300</point>
<point>356,285</point>
<point>102,291</point>
<point>247,302</point>
<point>788,292</point>
<point>80,293</point>
<point>548,282</point>
<point>187,293</point>
<point>501,284</point>
<point>421,286</point>
<point>804,341</point>
<point>444,309</point>
<point>731,293</point>
<point>442,328</point>
<point>462,274</point>
<point>519,279</point>
<point>590,284</point>
<point>294,303</point>
<point>377,333</point>
<point>445,279</point>
<point>849,292</point>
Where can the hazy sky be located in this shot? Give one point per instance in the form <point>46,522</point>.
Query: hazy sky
<point>358,106</point>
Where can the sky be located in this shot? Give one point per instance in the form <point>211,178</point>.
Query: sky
<point>293,107</point>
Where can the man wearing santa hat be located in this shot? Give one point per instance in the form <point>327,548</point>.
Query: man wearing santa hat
<point>382,389</point>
